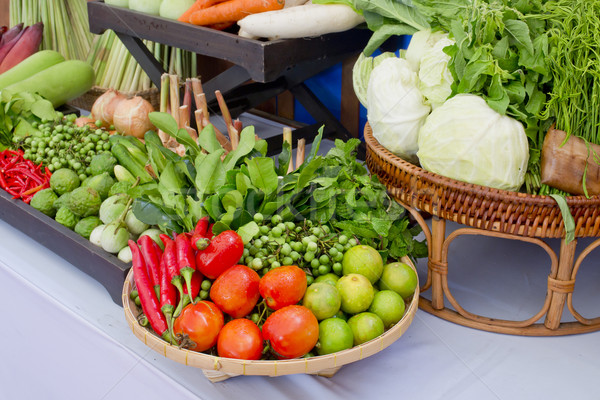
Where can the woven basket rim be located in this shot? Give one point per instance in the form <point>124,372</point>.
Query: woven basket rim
<point>470,188</point>
<point>267,367</point>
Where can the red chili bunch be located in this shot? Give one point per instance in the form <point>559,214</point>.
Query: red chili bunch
<point>21,177</point>
<point>169,280</point>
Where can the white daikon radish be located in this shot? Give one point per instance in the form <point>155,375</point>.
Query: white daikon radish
<point>303,21</point>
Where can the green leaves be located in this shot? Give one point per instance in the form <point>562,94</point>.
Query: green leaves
<point>262,174</point>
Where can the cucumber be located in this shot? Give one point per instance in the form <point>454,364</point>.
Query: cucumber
<point>30,66</point>
<point>126,160</point>
<point>59,83</point>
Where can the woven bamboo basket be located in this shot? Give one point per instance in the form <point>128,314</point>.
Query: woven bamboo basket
<point>219,368</point>
<point>86,100</point>
<point>494,213</point>
<point>479,206</point>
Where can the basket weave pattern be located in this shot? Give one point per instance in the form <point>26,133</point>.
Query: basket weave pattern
<point>495,213</point>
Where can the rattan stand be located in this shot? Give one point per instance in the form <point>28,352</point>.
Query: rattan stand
<point>495,213</point>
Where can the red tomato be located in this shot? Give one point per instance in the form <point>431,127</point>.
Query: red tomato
<point>283,286</point>
<point>292,331</point>
<point>235,291</point>
<point>201,322</point>
<point>240,338</point>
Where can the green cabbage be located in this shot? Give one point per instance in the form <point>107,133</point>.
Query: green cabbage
<point>396,108</point>
<point>361,72</point>
<point>465,139</point>
<point>435,79</point>
<point>420,43</point>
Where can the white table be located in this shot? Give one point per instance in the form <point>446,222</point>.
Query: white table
<point>64,338</point>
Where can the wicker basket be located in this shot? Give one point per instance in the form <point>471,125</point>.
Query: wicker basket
<point>86,100</point>
<point>218,368</point>
<point>493,213</point>
<point>478,206</point>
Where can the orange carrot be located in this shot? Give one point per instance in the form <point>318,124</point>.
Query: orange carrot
<point>198,5</point>
<point>233,10</point>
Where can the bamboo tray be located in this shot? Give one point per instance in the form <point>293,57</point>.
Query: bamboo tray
<point>218,368</point>
<point>496,213</point>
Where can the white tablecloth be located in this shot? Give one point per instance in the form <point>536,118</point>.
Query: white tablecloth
<point>64,338</point>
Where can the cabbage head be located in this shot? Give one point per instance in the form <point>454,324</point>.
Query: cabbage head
<point>361,73</point>
<point>435,79</point>
<point>465,139</point>
<point>420,43</point>
<point>396,109</point>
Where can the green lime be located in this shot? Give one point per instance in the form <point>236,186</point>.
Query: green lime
<point>86,225</point>
<point>365,326</point>
<point>84,201</point>
<point>64,180</point>
<point>330,278</point>
<point>334,335</point>
<point>44,201</point>
<point>400,278</point>
<point>363,260</point>
<point>322,299</point>
<point>389,306</point>
<point>65,217</point>
<point>356,291</point>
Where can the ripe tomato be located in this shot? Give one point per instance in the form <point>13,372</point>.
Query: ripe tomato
<point>292,331</point>
<point>283,286</point>
<point>240,338</point>
<point>201,322</point>
<point>235,291</point>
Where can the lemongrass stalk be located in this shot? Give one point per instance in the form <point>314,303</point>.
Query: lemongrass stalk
<point>134,86</point>
<point>13,12</point>
<point>103,55</point>
<point>46,36</point>
<point>122,60</point>
<point>178,62</point>
<point>51,26</point>
<point>127,74</point>
<point>111,63</point>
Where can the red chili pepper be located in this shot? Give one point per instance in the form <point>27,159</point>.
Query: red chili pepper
<point>209,232</point>
<point>196,283</point>
<point>201,226</point>
<point>168,296</point>
<point>152,254</point>
<point>224,251</point>
<point>148,298</point>
<point>186,259</point>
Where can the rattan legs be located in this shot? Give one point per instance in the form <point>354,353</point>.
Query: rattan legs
<point>561,284</point>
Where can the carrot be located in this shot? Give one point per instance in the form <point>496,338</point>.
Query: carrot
<point>233,10</point>
<point>198,5</point>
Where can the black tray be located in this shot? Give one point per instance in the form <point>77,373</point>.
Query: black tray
<point>93,260</point>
